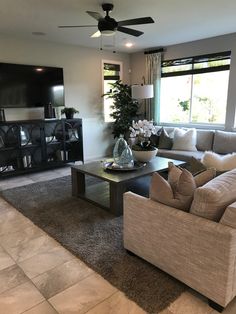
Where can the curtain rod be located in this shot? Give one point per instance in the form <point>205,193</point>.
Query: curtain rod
<point>153,51</point>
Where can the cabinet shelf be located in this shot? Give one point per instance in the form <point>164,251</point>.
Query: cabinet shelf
<point>39,152</point>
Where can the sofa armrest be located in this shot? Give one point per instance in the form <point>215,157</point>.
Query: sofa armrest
<point>197,251</point>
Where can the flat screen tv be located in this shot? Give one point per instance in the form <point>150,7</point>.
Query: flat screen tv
<point>30,86</point>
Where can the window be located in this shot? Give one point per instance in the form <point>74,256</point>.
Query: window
<point>112,72</point>
<point>194,90</point>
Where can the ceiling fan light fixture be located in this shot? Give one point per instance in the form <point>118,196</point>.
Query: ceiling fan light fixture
<point>108,32</point>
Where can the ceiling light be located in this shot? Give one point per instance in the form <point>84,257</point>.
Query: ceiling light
<point>129,45</point>
<point>107,32</point>
<point>39,69</point>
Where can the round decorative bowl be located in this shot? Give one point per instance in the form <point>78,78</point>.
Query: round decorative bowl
<point>144,155</point>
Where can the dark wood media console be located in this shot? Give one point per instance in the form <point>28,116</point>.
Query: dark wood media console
<point>34,145</point>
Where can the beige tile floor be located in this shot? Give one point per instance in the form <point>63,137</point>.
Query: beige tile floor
<point>39,276</point>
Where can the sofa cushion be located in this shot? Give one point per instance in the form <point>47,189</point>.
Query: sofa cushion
<point>185,139</point>
<point>229,217</point>
<point>211,200</point>
<point>205,139</point>
<point>220,162</point>
<point>165,140</point>
<point>224,142</point>
<point>179,154</point>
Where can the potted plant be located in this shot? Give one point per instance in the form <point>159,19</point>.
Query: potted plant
<point>140,134</point>
<point>124,108</point>
<point>69,112</point>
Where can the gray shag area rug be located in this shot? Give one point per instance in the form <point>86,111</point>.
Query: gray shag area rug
<point>95,236</point>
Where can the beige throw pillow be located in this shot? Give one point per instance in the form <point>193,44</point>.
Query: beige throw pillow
<point>180,197</point>
<point>211,200</point>
<point>179,189</point>
<point>200,179</point>
<point>205,176</point>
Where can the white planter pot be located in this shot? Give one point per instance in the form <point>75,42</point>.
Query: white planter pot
<point>144,155</point>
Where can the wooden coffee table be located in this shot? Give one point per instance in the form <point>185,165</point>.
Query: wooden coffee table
<point>108,193</point>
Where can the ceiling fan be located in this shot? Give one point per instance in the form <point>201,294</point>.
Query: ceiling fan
<point>108,26</point>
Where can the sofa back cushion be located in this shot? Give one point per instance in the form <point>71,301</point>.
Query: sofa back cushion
<point>224,142</point>
<point>211,200</point>
<point>205,139</point>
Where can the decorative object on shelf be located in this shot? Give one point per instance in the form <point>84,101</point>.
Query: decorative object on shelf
<point>2,115</point>
<point>69,112</point>
<point>124,107</point>
<point>122,153</point>
<point>58,112</point>
<point>140,134</point>
<point>49,113</point>
<point>24,135</point>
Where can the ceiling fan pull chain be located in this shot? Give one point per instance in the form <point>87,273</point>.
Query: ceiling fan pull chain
<point>101,45</point>
<point>114,43</point>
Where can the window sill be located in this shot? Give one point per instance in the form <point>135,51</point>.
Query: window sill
<point>195,125</point>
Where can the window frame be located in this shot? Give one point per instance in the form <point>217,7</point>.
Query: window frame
<point>116,62</point>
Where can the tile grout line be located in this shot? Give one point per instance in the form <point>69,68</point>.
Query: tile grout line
<point>67,287</point>
<point>38,305</point>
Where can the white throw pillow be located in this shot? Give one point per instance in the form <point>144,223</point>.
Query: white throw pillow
<point>185,139</point>
<point>219,162</point>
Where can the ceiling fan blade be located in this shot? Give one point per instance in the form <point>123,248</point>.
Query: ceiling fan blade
<point>97,16</point>
<point>141,20</point>
<point>129,31</point>
<point>96,34</point>
<point>71,26</point>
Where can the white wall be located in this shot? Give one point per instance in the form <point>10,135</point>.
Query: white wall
<point>194,48</point>
<point>82,79</point>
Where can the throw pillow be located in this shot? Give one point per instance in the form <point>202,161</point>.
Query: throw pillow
<point>181,197</point>
<point>204,176</point>
<point>221,163</point>
<point>195,166</point>
<point>165,141</point>
<point>211,200</point>
<point>154,138</point>
<point>185,139</point>
<point>229,217</point>
<point>178,190</point>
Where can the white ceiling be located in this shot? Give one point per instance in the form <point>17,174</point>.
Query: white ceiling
<point>175,21</point>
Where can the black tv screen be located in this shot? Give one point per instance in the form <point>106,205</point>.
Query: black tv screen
<point>30,86</point>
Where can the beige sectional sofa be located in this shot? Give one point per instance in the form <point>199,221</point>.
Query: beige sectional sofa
<point>207,140</point>
<point>198,251</point>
